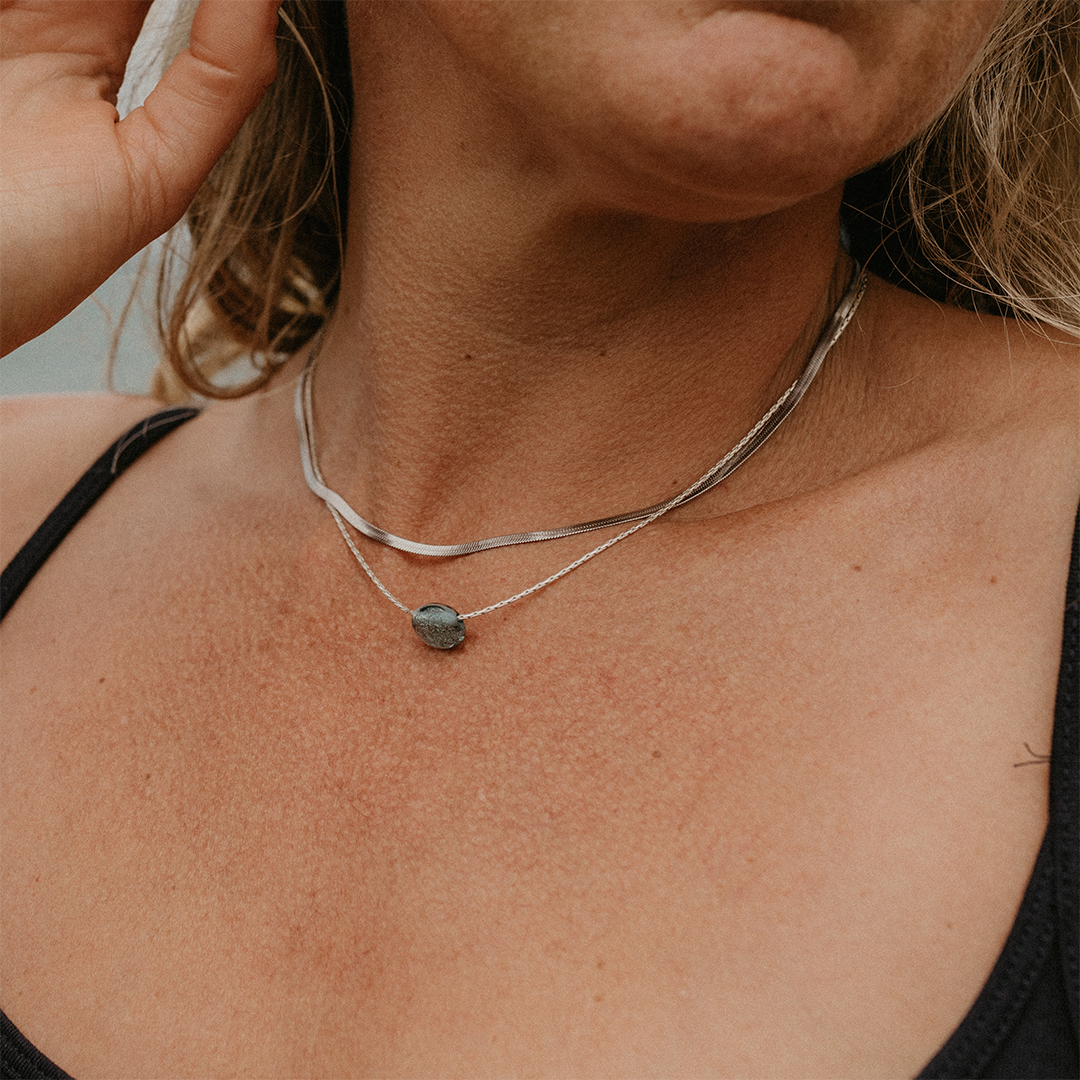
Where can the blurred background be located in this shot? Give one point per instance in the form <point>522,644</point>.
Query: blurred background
<point>73,355</point>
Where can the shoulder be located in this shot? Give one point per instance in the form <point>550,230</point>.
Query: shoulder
<point>917,387</point>
<point>46,443</point>
<point>975,371</point>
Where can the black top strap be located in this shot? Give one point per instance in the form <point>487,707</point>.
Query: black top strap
<point>21,1060</point>
<point>1024,1023</point>
<point>87,490</point>
<point>1065,789</point>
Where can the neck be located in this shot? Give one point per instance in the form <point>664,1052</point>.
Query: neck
<point>512,352</point>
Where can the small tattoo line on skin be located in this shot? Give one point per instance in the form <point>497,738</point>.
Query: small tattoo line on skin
<point>1036,759</point>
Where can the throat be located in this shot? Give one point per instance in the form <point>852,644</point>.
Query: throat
<point>439,625</point>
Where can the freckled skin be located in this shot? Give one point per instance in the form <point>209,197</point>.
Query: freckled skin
<point>735,799</point>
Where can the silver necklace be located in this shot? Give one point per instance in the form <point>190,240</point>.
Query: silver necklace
<point>439,625</point>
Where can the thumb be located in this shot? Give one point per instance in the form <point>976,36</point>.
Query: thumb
<point>191,116</point>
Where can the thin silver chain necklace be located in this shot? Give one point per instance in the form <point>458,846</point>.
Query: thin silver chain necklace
<point>439,625</point>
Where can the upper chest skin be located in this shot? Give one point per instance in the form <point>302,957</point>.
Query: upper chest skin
<point>738,798</point>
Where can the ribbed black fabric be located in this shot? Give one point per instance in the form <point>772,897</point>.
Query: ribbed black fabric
<point>21,1060</point>
<point>1024,1023</point>
<point>1065,787</point>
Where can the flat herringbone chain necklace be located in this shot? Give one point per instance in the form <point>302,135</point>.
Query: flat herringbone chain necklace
<point>439,625</point>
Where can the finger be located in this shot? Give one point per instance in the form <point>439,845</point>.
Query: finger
<point>193,113</point>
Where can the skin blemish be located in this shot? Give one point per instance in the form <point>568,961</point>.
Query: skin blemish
<point>656,753</point>
<point>101,680</point>
<point>598,997</point>
<point>993,581</point>
<point>856,567</point>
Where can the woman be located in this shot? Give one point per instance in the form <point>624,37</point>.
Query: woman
<point>740,796</point>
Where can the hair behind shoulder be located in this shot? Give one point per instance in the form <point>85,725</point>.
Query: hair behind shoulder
<point>981,210</point>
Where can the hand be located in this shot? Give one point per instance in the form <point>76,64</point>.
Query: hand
<point>81,191</point>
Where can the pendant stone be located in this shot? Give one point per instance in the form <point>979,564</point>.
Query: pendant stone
<point>438,626</point>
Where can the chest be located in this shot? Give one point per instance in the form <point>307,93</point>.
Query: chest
<point>756,811</point>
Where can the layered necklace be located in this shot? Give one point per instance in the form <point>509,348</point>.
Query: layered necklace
<point>439,625</point>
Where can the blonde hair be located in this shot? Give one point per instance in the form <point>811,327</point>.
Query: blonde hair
<point>259,253</point>
<point>981,210</point>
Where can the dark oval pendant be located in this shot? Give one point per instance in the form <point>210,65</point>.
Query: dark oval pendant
<point>438,626</point>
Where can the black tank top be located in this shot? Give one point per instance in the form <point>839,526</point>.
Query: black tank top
<point>1023,1025</point>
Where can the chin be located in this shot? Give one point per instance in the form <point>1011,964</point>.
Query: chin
<point>753,112</point>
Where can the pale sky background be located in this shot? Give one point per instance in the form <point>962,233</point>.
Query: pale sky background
<point>72,356</point>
